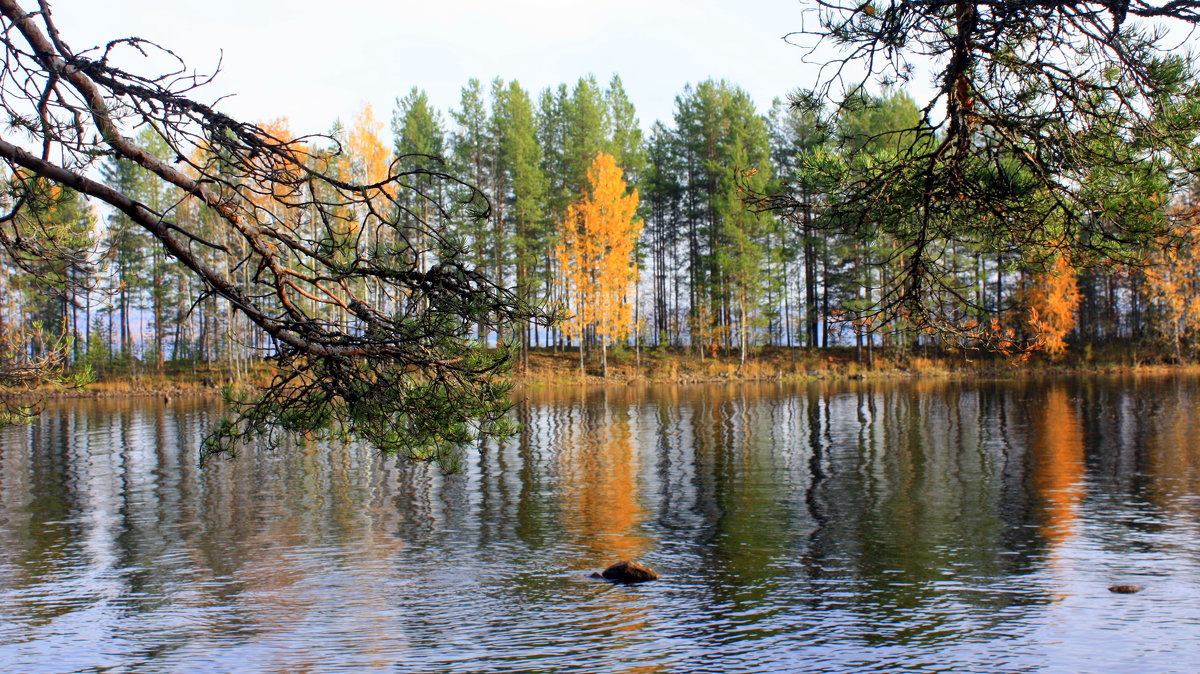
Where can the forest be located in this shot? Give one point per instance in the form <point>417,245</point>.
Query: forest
<point>662,239</point>
<point>893,370</point>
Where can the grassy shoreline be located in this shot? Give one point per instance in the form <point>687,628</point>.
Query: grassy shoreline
<point>657,366</point>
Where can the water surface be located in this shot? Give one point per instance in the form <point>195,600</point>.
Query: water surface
<point>868,526</point>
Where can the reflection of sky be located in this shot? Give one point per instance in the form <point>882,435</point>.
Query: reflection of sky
<point>869,526</point>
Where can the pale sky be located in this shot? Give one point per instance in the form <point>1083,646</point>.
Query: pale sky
<point>317,61</point>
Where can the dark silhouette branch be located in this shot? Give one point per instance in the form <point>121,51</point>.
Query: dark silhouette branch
<point>1054,128</point>
<point>370,307</point>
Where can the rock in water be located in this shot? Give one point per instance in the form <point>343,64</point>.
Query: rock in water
<point>1126,589</point>
<point>628,572</point>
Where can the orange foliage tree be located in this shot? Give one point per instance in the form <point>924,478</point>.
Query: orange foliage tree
<point>1172,284</point>
<point>1049,300</point>
<point>366,157</point>
<point>365,160</point>
<point>271,199</point>
<point>595,255</point>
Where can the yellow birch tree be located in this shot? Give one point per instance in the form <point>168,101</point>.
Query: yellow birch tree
<point>366,156</point>
<point>1050,300</point>
<point>595,255</point>
<point>366,162</point>
<point>1172,289</point>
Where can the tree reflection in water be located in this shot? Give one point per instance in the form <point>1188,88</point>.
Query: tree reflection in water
<point>930,523</point>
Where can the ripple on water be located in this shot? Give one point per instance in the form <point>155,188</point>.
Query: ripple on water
<point>878,530</point>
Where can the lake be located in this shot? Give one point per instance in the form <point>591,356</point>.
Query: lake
<point>861,526</point>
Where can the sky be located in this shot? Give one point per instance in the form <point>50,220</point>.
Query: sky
<point>315,62</point>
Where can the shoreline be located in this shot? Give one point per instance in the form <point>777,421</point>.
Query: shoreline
<point>561,370</point>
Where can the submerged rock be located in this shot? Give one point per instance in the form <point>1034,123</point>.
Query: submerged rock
<point>1126,589</point>
<point>628,572</point>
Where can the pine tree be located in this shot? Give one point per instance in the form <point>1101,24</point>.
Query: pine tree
<point>586,132</point>
<point>520,160</point>
<point>667,256</point>
<point>625,141</point>
<point>723,147</point>
<point>552,129</point>
<point>796,135</point>
<point>471,158</point>
<point>418,144</point>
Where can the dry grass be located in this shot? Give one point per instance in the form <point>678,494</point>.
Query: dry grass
<point>686,366</point>
<point>765,364</point>
<point>674,366</point>
<point>173,379</point>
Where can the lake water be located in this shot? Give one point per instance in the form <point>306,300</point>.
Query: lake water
<point>864,526</point>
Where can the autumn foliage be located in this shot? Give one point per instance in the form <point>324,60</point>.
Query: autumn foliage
<point>1172,284</point>
<point>366,158</point>
<point>1049,300</point>
<point>594,253</point>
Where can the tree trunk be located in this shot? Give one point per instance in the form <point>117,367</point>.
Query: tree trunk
<point>742,343</point>
<point>810,283</point>
<point>156,298</point>
<point>604,357</point>
<point>637,322</point>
